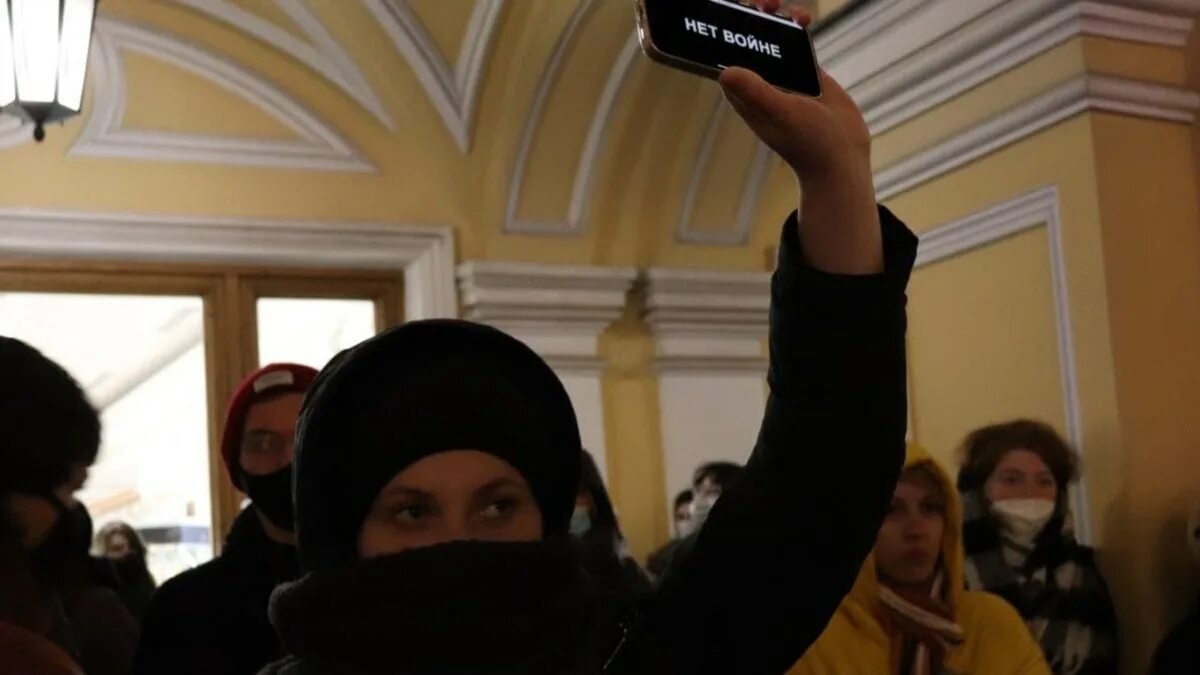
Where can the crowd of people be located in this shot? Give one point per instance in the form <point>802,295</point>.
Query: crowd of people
<point>976,573</point>
<point>424,504</point>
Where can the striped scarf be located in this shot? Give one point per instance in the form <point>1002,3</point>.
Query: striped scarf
<point>1055,587</point>
<point>925,621</point>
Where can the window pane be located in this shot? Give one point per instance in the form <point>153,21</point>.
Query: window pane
<point>141,361</point>
<point>311,332</point>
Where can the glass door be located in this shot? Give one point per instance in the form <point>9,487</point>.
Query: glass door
<point>159,350</point>
<point>141,358</point>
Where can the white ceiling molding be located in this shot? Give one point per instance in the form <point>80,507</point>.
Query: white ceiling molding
<point>317,146</point>
<point>1082,94</point>
<point>707,321</point>
<point>424,253</point>
<point>907,56</point>
<point>13,131</point>
<point>739,233</point>
<point>1027,212</point>
<point>455,90</point>
<point>558,310</point>
<point>322,53</point>
<point>585,173</point>
<point>901,58</point>
<point>533,121</point>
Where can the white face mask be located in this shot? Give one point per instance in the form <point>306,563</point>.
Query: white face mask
<point>701,506</point>
<point>684,528</point>
<point>581,522</point>
<point>1023,519</point>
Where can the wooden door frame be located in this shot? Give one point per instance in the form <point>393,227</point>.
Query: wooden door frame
<point>229,295</point>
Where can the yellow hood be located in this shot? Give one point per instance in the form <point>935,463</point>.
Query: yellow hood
<point>866,589</point>
<point>856,642</point>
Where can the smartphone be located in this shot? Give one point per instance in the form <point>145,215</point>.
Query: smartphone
<point>706,36</point>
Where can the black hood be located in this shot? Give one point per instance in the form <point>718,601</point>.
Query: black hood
<point>416,390</point>
<point>591,480</point>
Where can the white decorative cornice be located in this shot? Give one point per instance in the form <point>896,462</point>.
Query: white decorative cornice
<point>321,52</point>
<point>706,321</point>
<point>1081,94</point>
<point>317,146</point>
<point>738,234</point>
<point>585,173</point>
<point>558,310</point>
<point>454,90</point>
<point>904,57</point>
<point>425,254</point>
<point>13,131</point>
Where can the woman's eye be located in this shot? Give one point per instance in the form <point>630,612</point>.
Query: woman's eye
<point>500,507</point>
<point>1011,480</point>
<point>933,508</point>
<point>410,513</point>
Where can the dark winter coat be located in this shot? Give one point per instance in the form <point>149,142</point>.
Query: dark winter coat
<point>213,619</point>
<point>1058,591</point>
<point>602,549</point>
<point>1179,652</point>
<point>768,569</point>
<point>133,584</point>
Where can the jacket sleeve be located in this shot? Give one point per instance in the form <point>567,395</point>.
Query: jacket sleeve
<point>105,633</point>
<point>1026,655</point>
<point>1003,640</point>
<point>1104,657</point>
<point>170,640</point>
<point>783,546</point>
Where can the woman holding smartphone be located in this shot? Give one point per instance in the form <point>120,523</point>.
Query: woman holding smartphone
<point>437,466</point>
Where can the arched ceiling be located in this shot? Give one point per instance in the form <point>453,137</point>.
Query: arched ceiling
<point>537,128</point>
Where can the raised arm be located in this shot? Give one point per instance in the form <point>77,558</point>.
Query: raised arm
<point>783,546</point>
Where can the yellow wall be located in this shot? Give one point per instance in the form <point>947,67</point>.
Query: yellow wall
<point>635,456</point>
<point>1151,224</point>
<point>983,341</point>
<point>641,172</point>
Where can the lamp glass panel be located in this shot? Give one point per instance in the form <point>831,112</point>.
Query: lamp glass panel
<point>73,51</point>
<point>8,87</point>
<point>35,49</point>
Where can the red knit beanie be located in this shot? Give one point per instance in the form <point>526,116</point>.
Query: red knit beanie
<point>271,380</point>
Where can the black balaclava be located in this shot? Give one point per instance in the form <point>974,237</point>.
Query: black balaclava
<point>414,391</point>
<point>68,538</point>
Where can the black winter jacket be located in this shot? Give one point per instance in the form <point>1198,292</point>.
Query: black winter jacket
<point>213,619</point>
<point>777,554</point>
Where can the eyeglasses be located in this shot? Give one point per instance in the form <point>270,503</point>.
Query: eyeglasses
<point>266,443</point>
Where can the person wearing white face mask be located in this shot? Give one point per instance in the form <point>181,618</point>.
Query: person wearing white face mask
<point>682,527</point>
<point>709,481</point>
<point>1021,546</point>
<point>603,551</point>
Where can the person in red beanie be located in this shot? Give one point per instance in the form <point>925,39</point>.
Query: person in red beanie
<point>213,619</point>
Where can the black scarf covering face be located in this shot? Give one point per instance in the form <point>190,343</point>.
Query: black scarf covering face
<point>461,608</point>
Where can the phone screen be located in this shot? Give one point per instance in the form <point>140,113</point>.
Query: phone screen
<point>720,33</point>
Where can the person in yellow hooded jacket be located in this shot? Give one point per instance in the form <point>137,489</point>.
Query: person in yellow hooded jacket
<point>909,612</point>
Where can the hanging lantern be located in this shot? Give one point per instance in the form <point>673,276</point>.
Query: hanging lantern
<point>43,58</point>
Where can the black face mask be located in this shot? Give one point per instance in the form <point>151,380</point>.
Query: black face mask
<point>62,542</point>
<point>461,607</point>
<point>272,496</point>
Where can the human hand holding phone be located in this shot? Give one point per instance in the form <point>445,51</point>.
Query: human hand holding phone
<point>827,144</point>
<point>707,36</point>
